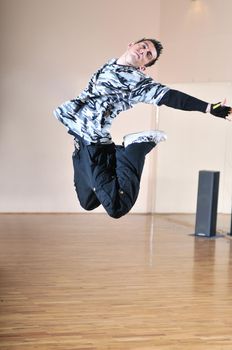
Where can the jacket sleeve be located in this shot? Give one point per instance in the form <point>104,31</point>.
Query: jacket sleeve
<point>179,100</point>
<point>148,91</point>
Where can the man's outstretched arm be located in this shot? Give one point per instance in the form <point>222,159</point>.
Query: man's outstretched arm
<point>179,100</point>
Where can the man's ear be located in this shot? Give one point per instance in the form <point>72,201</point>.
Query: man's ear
<point>131,44</point>
<point>143,68</point>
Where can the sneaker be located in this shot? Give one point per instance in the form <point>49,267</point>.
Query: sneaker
<point>145,136</point>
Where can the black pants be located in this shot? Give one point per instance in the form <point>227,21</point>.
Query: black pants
<point>109,175</point>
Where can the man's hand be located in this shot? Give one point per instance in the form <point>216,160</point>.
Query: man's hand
<point>220,110</point>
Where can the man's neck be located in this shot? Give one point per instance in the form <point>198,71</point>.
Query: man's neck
<point>121,60</point>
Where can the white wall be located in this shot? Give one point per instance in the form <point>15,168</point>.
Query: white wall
<point>49,49</point>
<point>197,41</point>
<point>196,141</point>
<point>197,59</point>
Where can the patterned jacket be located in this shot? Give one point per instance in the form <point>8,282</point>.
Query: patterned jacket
<point>112,89</point>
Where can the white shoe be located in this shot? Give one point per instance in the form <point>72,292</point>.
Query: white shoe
<point>145,136</point>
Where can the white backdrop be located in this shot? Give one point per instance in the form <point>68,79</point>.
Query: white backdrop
<point>195,142</point>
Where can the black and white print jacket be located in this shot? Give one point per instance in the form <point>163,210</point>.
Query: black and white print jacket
<point>112,89</point>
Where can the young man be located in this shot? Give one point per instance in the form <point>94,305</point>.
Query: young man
<point>103,172</point>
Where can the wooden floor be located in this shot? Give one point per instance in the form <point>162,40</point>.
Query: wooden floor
<point>91,282</point>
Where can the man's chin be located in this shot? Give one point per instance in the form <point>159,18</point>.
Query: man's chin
<point>134,63</point>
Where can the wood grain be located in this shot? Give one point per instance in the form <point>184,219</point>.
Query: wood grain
<point>89,282</point>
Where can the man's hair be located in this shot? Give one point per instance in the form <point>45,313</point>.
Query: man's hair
<point>158,46</point>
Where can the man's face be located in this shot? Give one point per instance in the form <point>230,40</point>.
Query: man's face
<point>138,55</point>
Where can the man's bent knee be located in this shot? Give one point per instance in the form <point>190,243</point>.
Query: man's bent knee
<point>89,206</point>
<point>117,214</point>
<point>89,203</point>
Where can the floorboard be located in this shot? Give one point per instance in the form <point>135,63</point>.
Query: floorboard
<point>89,282</point>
